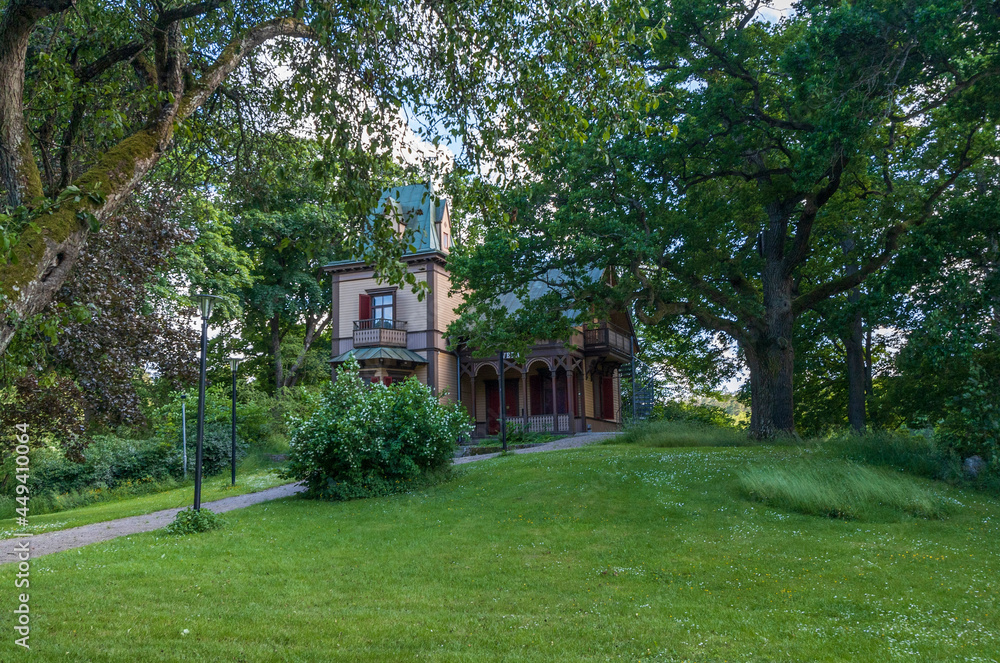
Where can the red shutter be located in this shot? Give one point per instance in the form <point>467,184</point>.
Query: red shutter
<point>607,397</point>
<point>364,307</point>
<point>387,380</point>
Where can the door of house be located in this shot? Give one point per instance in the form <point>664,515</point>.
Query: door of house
<point>493,403</point>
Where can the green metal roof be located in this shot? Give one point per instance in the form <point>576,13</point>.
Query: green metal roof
<point>361,354</point>
<point>536,288</point>
<point>415,205</point>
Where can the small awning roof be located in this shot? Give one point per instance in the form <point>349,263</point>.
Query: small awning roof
<point>361,354</point>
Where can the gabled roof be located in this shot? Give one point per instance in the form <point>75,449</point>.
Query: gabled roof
<point>415,206</point>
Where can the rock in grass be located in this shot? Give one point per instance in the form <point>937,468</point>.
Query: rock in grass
<point>973,465</point>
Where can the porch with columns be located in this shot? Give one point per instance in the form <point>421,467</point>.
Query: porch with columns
<point>544,395</point>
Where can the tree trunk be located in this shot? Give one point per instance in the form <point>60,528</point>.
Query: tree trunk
<point>855,350</point>
<point>771,359</point>
<point>856,375</point>
<point>279,376</point>
<point>772,406</point>
<point>312,332</point>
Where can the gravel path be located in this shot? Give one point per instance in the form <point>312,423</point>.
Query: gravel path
<point>67,539</point>
<point>51,542</point>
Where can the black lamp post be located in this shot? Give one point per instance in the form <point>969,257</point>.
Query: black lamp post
<point>234,362</point>
<point>503,403</point>
<point>205,304</point>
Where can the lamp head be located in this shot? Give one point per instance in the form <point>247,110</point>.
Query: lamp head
<point>234,362</point>
<point>205,304</point>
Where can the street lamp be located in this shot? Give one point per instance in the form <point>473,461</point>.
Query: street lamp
<point>205,304</point>
<point>234,362</point>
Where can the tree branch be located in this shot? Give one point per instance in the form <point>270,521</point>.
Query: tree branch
<point>233,55</point>
<point>890,239</point>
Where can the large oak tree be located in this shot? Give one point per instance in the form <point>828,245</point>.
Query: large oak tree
<point>783,164</point>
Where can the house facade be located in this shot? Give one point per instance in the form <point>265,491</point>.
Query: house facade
<point>393,335</point>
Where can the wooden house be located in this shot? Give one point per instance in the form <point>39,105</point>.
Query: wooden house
<point>393,335</point>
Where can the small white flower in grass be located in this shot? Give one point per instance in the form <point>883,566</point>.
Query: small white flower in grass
<point>185,632</point>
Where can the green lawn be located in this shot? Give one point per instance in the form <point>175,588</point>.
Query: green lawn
<point>248,480</point>
<point>597,554</point>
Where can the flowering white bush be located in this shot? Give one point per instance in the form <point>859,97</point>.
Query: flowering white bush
<point>365,440</point>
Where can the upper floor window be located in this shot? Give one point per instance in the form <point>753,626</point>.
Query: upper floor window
<point>383,307</point>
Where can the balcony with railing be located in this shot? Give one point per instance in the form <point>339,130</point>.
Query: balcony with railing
<point>607,338</point>
<point>379,332</point>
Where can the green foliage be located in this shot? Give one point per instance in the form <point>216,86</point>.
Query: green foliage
<point>971,426</point>
<point>51,406</point>
<point>698,413</point>
<point>840,490</point>
<point>190,521</point>
<point>217,448</point>
<point>261,419</point>
<point>108,462</point>
<point>682,433</point>
<point>905,451</point>
<point>365,440</point>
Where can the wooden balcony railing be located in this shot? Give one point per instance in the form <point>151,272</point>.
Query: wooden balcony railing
<point>607,337</point>
<point>379,332</point>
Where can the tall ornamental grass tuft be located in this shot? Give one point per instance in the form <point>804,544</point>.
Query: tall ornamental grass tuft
<point>837,489</point>
<point>366,440</point>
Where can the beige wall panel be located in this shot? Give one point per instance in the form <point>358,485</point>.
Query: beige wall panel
<point>447,378</point>
<point>467,394</point>
<point>408,309</point>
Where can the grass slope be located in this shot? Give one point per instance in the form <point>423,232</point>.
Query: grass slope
<point>251,477</point>
<point>603,553</point>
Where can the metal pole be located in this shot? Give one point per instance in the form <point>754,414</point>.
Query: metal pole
<point>632,348</point>
<point>234,426</point>
<point>201,416</point>
<point>184,433</point>
<point>503,404</point>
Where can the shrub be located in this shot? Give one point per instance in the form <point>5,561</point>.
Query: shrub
<point>260,418</point>
<point>366,440</point>
<point>190,521</point>
<point>971,426</point>
<point>678,411</point>
<point>681,434</point>
<point>216,448</point>
<point>905,451</point>
<point>108,462</point>
<point>840,490</point>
